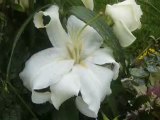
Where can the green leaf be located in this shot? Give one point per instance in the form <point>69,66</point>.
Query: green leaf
<point>113,104</point>
<point>74,2</point>
<point>116,118</point>
<point>104,117</point>
<point>18,8</point>
<point>67,111</point>
<point>140,100</point>
<point>99,23</point>
<point>139,72</point>
<point>141,90</point>
<point>154,78</point>
<point>2,16</point>
<point>2,102</point>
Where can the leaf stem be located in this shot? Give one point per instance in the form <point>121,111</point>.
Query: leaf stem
<point>21,99</point>
<point>20,31</point>
<point>89,22</point>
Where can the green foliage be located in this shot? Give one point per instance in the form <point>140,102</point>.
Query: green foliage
<point>129,99</point>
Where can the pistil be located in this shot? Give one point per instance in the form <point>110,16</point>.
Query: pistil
<point>74,51</point>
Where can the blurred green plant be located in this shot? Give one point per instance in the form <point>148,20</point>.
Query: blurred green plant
<point>137,97</point>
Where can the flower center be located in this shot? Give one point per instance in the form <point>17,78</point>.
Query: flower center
<point>75,50</point>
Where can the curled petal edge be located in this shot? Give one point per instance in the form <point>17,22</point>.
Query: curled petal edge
<point>123,34</point>
<point>88,4</point>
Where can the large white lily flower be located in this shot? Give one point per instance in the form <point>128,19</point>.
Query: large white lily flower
<point>74,66</point>
<point>126,16</point>
<point>88,4</point>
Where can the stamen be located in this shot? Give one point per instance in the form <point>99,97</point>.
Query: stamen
<point>76,48</point>
<point>70,52</point>
<point>74,51</point>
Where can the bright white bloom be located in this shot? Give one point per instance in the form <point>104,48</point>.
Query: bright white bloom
<point>88,4</point>
<point>74,66</point>
<point>126,16</point>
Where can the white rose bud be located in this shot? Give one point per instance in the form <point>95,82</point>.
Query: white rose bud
<point>23,3</point>
<point>126,16</point>
<point>88,4</point>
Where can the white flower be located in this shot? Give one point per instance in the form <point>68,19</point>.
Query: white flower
<point>126,16</point>
<point>88,4</point>
<point>76,64</point>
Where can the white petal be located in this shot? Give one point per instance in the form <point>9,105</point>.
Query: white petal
<point>126,16</point>
<point>66,88</point>
<point>105,76</point>
<point>55,31</point>
<point>45,68</point>
<point>138,13</point>
<point>123,34</point>
<point>137,9</point>
<point>95,84</point>
<point>83,108</point>
<point>88,4</point>
<point>89,37</point>
<point>38,97</point>
<point>123,13</point>
<point>102,57</point>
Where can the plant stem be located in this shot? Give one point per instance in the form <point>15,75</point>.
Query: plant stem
<point>20,31</point>
<point>21,99</point>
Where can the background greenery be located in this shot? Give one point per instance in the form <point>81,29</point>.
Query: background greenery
<point>131,97</point>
